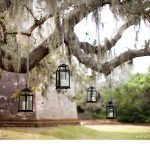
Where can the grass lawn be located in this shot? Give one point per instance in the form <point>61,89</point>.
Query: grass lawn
<point>78,132</point>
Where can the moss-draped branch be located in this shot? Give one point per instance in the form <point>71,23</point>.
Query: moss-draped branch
<point>72,41</point>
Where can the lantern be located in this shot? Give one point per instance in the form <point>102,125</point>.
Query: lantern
<point>111,112</point>
<point>63,77</point>
<point>91,95</point>
<point>25,100</point>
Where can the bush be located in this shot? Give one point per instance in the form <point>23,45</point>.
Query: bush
<point>97,116</point>
<point>132,119</point>
<point>97,111</point>
<point>123,118</point>
<point>147,120</point>
<point>133,99</point>
<point>80,109</point>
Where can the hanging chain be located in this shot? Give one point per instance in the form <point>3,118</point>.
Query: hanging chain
<point>18,66</point>
<point>110,85</point>
<point>62,37</point>
<point>94,78</point>
<point>110,76</point>
<point>27,76</point>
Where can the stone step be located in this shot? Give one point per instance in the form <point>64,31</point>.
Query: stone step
<point>37,123</point>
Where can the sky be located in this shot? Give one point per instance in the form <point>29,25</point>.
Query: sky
<point>109,29</point>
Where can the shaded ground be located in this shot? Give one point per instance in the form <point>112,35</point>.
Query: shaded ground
<point>78,132</point>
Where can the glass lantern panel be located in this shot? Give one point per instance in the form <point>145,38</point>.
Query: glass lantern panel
<point>64,78</point>
<point>89,96</point>
<point>22,105</point>
<point>93,96</point>
<point>110,112</point>
<point>29,102</point>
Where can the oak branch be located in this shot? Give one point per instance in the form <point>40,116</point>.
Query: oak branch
<point>79,49</point>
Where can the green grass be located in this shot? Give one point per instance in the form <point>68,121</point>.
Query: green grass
<point>78,132</point>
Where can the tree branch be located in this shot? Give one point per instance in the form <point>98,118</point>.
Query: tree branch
<point>81,11</point>
<point>31,29</point>
<point>88,48</point>
<point>74,45</point>
<point>106,67</point>
<point>4,5</point>
<point>108,44</point>
<point>28,9</point>
<point>34,57</point>
<point>2,33</point>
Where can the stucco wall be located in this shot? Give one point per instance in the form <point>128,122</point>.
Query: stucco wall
<point>55,106</point>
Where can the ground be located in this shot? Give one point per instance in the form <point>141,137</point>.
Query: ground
<point>116,132</point>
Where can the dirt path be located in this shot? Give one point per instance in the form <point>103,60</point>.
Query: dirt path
<point>109,122</point>
<point>120,128</point>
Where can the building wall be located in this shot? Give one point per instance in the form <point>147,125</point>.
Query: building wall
<point>55,106</point>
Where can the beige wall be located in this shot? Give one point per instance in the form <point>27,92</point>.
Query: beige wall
<point>55,106</point>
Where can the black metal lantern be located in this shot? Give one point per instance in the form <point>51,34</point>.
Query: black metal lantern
<point>111,111</point>
<point>63,77</point>
<point>25,100</point>
<point>91,95</point>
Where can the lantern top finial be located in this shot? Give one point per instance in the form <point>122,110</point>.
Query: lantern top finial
<point>26,89</point>
<point>112,102</point>
<point>91,87</point>
<point>63,66</point>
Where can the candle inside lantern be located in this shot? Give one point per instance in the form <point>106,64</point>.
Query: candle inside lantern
<point>110,112</point>
<point>64,79</point>
<point>23,105</point>
<point>93,98</point>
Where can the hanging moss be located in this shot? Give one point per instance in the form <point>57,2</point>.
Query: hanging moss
<point>15,17</point>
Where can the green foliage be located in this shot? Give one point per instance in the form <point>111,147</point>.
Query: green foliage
<point>133,98</point>
<point>80,97</point>
<point>98,116</point>
<point>80,109</point>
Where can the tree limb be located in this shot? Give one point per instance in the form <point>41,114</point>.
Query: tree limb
<point>89,48</point>
<point>108,44</point>
<point>34,57</point>
<point>67,3</point>
<point>28,9</point>
<point>37,55</point>
<point>106,67</point>
<point>74,45</point>
<point>34,26</point>
<point>80,12</point>
<point>4,4</point>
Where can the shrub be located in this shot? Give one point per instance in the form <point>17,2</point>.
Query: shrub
<point>80,109</point>
<point>133,98</point>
